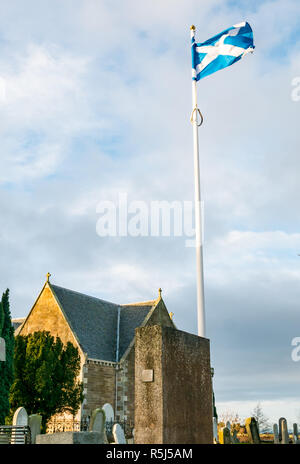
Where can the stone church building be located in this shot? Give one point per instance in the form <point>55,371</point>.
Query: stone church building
<point>104,334</point>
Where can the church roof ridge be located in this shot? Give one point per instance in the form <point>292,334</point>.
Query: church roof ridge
<point>84,294</point>
<point>136,303</point>
<point>140,303</point>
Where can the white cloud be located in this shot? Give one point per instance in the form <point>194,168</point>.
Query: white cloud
<point>42,88</point>
<point>98,101</point>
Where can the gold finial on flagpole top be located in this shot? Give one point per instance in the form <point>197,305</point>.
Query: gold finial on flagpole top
<point>192,28</point>
<point>48,276</point>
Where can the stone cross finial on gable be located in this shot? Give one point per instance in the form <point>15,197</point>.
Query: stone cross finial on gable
<point>48,276</point>
<point>159,293</point>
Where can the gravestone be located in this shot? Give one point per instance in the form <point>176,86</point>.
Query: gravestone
<point>97,423</point>
<point>215,430</point>
<point>280,428</point>
<point>295,433</point>
<point>109,412</point>
<point>284,432</point>
<point>35,424</point>
<point>20,419</point>
<point>252,430</point>
<point>276,434</point>
<point>2,349</point>
<point>109,419</point>
<point>228,426</point>
<point>118,434</point>
<point>235,437</point>
<point>224,436</point>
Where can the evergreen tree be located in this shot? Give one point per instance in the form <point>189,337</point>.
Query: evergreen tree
<point>262,420</point>
<point>6,367</point>
<point>46,374</point>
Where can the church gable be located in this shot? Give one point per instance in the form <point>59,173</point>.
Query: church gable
<point>103,331</point>
<point>160,316</point>
<point>46,315</point>
<point>156,314</point>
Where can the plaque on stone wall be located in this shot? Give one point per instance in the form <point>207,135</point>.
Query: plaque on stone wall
<point>147,375</point>
<point>2,349</point>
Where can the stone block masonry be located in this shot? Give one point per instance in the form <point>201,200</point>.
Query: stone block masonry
<point>70,438</point>
<point>99,385</point>
<point>176,407</point>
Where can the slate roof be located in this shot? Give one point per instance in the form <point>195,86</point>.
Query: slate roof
<point>132,316</point>
<point>94,322</point>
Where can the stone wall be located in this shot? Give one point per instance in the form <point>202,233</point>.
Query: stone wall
<point>176,407</point>
<point>47,315</point>
<point>126,372</point>
<point>99,381</point>
<point>98,377</point>
<point>160,316</point>
<point>125,388</point>
<point>70,438</point>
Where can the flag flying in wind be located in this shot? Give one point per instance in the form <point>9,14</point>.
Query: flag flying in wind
<point>222,50</point>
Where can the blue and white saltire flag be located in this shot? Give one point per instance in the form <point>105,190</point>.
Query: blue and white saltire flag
<point>222,50</point>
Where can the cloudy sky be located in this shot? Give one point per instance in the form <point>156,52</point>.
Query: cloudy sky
<point>95,99</point>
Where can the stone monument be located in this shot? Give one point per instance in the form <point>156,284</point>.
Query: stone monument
<point>252,430</point>
<point>118,434</point>
<point>35,424</point>
<point>173,387</point>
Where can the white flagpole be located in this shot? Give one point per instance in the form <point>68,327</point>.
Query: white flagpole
<point>199,241</point>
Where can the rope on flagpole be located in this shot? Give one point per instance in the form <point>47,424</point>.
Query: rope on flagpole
<point>193,116</point>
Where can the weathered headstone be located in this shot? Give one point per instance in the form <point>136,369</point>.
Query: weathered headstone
<point>109,412</point>
<point>2,349</point>
<point>97,423</point>
<point>228,426</point>
<point>109,419</point>
<point>295,433</point>
<point>280,428</point>
<point>118,434</point>
<point>215,430</point>
<point>284,432</point>
<point>252,430</point>
<point>224,436</point>
<point>276,434</point>
<point>20,419</point>
<point>35,424</point>
<point>235,437</point>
